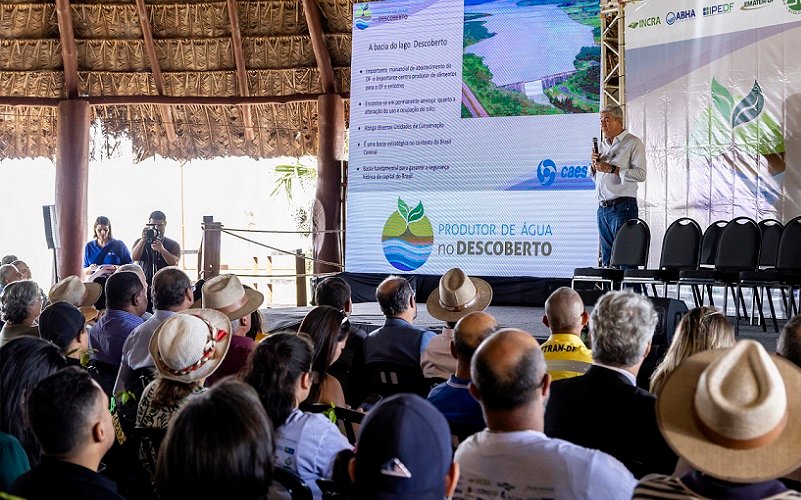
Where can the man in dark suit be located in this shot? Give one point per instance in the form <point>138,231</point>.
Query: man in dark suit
<point>397,341</point>
<point>604,409</point>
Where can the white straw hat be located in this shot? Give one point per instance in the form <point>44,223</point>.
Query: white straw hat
<point>458,295</point>
<point>226,294</point>
<point>77,293</point>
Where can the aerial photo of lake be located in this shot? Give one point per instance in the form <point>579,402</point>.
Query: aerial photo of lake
<point>530,41</point>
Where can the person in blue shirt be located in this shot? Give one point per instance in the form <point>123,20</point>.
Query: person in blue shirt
<point>104,249</point>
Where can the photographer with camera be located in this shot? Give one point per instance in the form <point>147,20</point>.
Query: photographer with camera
<point>153,250</point>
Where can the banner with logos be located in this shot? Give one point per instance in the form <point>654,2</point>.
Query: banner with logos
<point>714,91</point>
<point>471,126</point>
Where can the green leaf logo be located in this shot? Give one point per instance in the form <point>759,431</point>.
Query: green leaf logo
<point>722,99</point>
<point>417,213</point>
<point>403,209</point>
<point>633,25</point>
<point>749,108</point>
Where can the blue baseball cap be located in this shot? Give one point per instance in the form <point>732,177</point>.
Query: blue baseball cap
<point>404,451</point>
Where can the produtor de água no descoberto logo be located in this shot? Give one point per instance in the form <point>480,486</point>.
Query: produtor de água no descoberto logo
<point>407,237</point>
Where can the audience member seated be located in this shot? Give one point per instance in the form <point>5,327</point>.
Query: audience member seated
<point>23,269</point>
<point>328,329</point>
<point>23,363</point>
<point>404,451</point>
<point>734,415</point>
<point>8,274</point>
<point>172,293</point>
<point>219,445</point>
<point>453,398</point>
<point>701,329</point>
<point>81,295</point>
<point>226,294</point>
<point>604,409</point>
<point>63,324</point>
<point>349,368</point>
<point>789,344</point>
<point>186,349</point>
<point>8,259</point>
<point>564,351</point>
<point>457,296</point>
<point>126,300</point>
<point>69,414</point>
<point>137,269</point>
<point>513,454</point>
<point>280,369</point>
<point>397,341</point>
<point>20,304</point>
<point>13,461</point>
<point>103,249</point>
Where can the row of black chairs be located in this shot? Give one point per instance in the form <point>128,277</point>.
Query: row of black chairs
<point>735,254</point>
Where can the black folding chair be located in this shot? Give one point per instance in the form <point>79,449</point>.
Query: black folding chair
<point>294,485</point>
<point>347,419</point>
<point>681,249</point>
<point>738,250</point>
<point>630,249</point>
<point>387,379</point>
<point>786,276</point>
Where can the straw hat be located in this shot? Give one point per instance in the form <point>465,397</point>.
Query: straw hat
<point>226,294</point>
<point>190,345</point>
<point>458,295</point>
<point>734,414</point>
<point>71,289</point>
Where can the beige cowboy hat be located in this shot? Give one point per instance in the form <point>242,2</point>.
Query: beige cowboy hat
<point>734,414</point>
<point>71,289</point>
<point>190,345</point>
<point>458,295</point>
<point>226,294</point>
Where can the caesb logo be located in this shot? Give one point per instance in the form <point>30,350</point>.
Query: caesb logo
<point>407,237</point>
<point>546,172</point>
<point>362,16</point>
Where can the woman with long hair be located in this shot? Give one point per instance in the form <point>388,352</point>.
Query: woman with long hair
<point>23,363</point>
<point>103,249</point>
<point>702,329</point>
<point>306,444</point>
<point>219,445</point>
<point>328,328</point>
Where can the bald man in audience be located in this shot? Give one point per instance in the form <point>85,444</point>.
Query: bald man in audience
<point>453,398</point>
<point>564,351</point>
<point>789,345</point>
<point>513,457</point>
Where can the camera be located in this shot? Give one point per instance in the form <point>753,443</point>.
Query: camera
<point>152,234</point>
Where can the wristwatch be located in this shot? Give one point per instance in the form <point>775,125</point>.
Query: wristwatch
<point>612,169</point>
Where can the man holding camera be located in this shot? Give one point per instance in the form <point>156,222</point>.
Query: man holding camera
<point>153,250</point>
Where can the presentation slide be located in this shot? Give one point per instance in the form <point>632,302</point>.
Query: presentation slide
<point>471,126</point>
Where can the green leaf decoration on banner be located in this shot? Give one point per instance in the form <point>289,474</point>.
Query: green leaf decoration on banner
<point>416,213</point>
<point>762,136</point>
<point>722,99</point>
<point>403,209</point>
<point>749,108</point>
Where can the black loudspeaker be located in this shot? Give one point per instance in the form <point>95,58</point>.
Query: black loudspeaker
<point>50,226</point>
<point>670,312</point>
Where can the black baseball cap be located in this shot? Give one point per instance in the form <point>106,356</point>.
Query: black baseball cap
<point>60,323</point>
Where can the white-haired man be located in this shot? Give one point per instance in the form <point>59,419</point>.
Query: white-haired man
<point>604,409</point>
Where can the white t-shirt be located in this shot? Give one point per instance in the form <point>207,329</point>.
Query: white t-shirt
<point>529,464</point>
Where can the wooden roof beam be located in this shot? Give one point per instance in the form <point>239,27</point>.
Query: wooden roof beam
<point>135,100</point>
<point>313,19</point>
<point>155,67</point>
<point>69,52</point>
<point>241,71</point>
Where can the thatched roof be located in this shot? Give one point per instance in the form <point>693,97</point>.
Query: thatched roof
<point>196,51</point>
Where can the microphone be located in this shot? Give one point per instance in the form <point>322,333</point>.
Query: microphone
<point>595,145</point>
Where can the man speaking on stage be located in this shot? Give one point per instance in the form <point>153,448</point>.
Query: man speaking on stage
<point>616,169</point>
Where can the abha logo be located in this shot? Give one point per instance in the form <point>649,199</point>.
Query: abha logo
<point>362,16</point>
<point>407,237</point>
<point>681,15</point>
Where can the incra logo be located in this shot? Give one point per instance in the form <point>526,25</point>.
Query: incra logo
<point>646,23</point>
<point>714,10</point>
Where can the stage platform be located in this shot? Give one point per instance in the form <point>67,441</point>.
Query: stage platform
<point>368,317</point>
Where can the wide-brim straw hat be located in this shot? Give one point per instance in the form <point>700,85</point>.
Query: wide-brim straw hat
<point>89,312</point>
<point>226,294</point>
<point>457,296</point>
<point>734,414</point>
<point>190,345</point>
<point>71,289</point>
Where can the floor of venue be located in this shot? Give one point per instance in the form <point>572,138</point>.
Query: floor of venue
<point>368,317</point>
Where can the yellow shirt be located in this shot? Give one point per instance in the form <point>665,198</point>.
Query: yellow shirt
<point>566,355</point>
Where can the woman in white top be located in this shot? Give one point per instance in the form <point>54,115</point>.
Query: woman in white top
<point>306,444</point>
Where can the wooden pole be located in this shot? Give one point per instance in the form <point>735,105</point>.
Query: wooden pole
<point>211,247</point>
<point>327,209</point>
<point>72,179</point>
<point>300,279</point>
